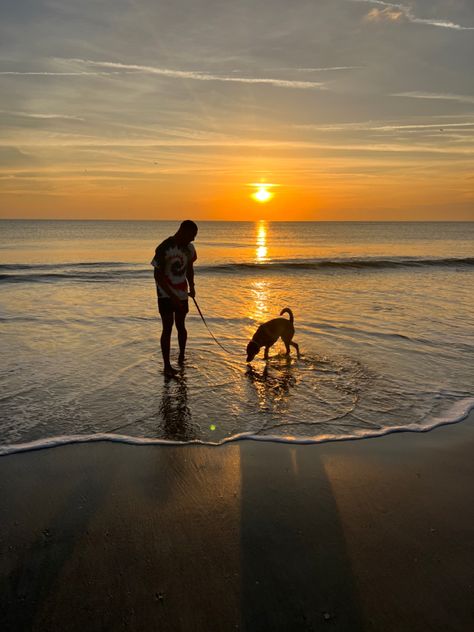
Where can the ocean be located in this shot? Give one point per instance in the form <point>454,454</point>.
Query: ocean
<point>384,316</point>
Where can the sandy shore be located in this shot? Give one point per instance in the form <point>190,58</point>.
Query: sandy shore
<point>357,535</point>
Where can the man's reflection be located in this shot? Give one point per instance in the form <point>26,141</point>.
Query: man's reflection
<point>272,384</point>
<point>174,409</point>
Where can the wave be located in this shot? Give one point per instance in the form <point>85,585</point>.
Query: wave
<point>48,266</point>
<point>381,335</point>
<point>345,263</point>
<point>115,270</point>
<point>459,411</point>
<point>81,271</point>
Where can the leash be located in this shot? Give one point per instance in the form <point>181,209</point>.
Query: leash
<point>207,326</point>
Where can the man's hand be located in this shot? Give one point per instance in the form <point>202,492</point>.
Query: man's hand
<point>192,291</point>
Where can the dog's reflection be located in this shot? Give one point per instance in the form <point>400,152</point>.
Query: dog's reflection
<point>174,409</point>
<point>273,384</point>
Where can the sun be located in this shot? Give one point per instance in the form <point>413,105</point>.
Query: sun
<point>262,194</point>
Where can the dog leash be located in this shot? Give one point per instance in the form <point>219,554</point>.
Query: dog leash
<point>207,326</point>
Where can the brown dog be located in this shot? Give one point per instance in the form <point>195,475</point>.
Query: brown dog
<point>268,333</point>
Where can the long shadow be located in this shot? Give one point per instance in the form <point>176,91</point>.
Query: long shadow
<point>296,573</point>
<point>37,566</point>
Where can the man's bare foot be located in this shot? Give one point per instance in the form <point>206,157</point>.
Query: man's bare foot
<point>181,359</point>
<point>170,371</point>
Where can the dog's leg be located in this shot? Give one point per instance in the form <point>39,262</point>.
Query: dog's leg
<point>265,355</point>
<point>287,345</point>
<point>295,345</point>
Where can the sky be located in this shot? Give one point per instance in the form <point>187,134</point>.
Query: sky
<point>151,109</point>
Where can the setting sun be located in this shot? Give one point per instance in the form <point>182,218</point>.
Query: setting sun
<point>262,194</point>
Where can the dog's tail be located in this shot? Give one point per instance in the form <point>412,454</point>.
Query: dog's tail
<point>287,310</point>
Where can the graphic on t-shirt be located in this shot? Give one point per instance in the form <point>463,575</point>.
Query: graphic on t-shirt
<point>177,268</point>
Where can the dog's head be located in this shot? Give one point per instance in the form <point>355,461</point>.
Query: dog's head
<point>252,350</point>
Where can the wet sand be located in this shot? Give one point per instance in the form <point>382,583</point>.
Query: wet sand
<point>375,534</point>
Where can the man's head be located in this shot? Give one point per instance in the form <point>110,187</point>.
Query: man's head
<point>186,232</point>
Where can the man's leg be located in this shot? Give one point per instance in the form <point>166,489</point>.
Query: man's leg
<point>165,340</point>
<point>180,317</point>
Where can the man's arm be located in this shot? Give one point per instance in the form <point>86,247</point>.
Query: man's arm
<point>190,278</point>
<point>163,282</point>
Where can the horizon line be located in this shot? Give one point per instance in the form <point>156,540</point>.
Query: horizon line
<point>245,221</point>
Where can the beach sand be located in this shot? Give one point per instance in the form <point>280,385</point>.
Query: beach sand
<point>354,535</point>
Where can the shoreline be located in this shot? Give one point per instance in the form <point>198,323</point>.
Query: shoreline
<point>257,535</point>
<point>467,410</point>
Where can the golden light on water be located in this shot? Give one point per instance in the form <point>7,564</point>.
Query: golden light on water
<point>261,253</point>
<point>261,242</point>
<point>259,288</point>
<point>260,307</point>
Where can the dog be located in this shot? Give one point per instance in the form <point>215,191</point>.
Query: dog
<point>268,333</point>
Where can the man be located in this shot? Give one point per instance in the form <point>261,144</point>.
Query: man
<point>173,263</point>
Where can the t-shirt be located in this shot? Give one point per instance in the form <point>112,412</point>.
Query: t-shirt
<point>173,261</point>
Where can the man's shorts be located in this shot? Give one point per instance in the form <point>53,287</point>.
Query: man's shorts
<point>166,306</point>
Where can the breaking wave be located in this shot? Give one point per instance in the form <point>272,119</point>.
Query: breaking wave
<point>458,412</point>
<point>110,270</point>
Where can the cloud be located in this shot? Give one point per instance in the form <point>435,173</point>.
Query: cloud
<point>395,12</point>
<point>14,157</point>
<point>371,126</point>
<point>52,74</point>
<point>199,76</point>
<point>117,68</point>
<point>461,98</point>
<point>30,115</point>
<point>323,69</point>
<point>380,15</point>
<point>142,147</point>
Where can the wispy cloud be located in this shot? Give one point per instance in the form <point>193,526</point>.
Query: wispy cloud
<point>52,74</point>
<point>461,98</point>
<point>32,115</point>
<point>116,68</point>
<point>384,15</point>
<point>381,127</point>
<point>233,143</point>
<point>395,12</point>
<point>121,68</point>
<point>199,76</point>
<point>322,69</point>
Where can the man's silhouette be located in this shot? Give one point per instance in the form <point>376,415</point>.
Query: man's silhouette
<point>173,263</point>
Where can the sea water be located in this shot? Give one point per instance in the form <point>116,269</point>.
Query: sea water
<point>384,316</point>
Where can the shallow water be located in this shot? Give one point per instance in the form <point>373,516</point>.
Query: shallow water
<point>383,316</point>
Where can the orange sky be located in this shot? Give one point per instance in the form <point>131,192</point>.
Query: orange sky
<point>326,198</point>
<point>142,113</point>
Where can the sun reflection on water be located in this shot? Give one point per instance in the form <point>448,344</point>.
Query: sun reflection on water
<point>260,309</point>
<point>261,241</point>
